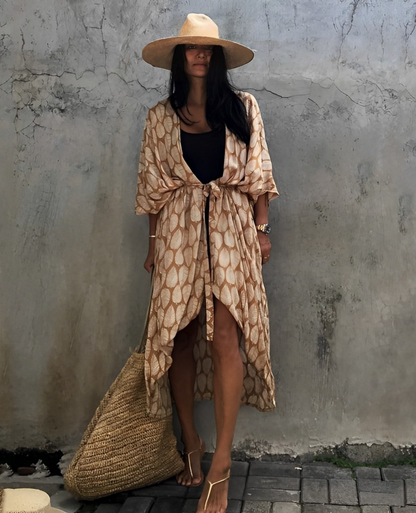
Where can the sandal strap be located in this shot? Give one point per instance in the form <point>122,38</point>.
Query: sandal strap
<point>211,485</point>
<point>189,454</point>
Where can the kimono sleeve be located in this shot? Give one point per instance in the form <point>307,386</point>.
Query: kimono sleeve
<point>258,168</point>
<point>154,186</point>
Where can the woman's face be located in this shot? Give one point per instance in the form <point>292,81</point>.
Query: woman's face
<point>197,59</point>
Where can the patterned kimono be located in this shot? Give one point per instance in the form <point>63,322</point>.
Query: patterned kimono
<point>184,279</point>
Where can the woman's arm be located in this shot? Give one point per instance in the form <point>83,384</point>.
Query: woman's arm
<point>150,259</point>
<point>261,210</point>
<point>261,216</point>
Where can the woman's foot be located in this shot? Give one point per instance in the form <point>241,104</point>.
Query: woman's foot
<point>192,474</point>
<point>214,498</point>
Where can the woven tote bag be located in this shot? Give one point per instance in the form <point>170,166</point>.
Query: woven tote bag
<point>123,447</point>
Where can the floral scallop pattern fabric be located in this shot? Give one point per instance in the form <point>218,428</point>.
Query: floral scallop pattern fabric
<point>185,282</point>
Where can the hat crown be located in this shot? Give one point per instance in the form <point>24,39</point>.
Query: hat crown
<point>199,25</point>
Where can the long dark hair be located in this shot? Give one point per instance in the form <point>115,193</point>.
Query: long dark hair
<point>223,106</point>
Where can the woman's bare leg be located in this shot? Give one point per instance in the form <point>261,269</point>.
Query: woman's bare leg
<point>182,381</point>
<point>228,385</point>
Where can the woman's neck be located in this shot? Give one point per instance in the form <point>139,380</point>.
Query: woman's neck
<point>197,93</point>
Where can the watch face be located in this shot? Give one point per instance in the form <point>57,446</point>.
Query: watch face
<point>265,228</point>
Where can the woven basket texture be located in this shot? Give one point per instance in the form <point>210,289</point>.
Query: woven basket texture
<point>123,448</point>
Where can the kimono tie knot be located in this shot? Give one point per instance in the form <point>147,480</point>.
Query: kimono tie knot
<point>212,188</point>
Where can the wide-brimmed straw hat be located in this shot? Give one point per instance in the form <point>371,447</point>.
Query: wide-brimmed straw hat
<point>26,500</point>
<point>201,30</point>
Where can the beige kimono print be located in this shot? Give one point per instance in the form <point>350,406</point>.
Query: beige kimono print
<point>184,285</point>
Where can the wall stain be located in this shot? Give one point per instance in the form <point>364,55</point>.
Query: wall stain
<point>405,211</point>
<point>48,93</point>
<point>410,148</point>
<point>326,300</point>
<point>86,167</point>
<point>340,110</point>
<point>252,447</point>
<point>5,42</point>
<point>365,172</point>
<point>372,260</point>
<point>322,217</point>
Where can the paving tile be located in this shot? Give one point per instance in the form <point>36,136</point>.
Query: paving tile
<point>236,487</point>
<point>375,509</point>
<point>343,491</point>
<point>168,505</point>
<point>108,508</point>
<point>256,507</point>
<point>116,498</point>
<point>233,506</point>
<point>273,469</point>
<point>191,505</point>
<point>137,505</point>
<point>372,491</point>
<point>368,473</point>
<point>271,494</point>
<point>406,509</point>
<point>239,468</point>
<point>410,488</point>
<point>161,490</point>
<point>325,471</point>
<point>64,500</point>
<point>281,483</point>
<point>329,508</point>
<point>315,491</point>
<point>393,472</point>
<point>286,507</point>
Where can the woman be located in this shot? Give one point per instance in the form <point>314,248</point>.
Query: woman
<point>205,179</point>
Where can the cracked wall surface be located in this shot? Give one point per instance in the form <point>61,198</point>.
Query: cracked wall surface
<point>336,82</point>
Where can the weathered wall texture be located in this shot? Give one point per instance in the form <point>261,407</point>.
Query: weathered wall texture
<point>336,82</point>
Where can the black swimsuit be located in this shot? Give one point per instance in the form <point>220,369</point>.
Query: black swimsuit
<point>204,154</point>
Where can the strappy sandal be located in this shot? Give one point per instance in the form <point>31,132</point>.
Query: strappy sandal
<point>201,451</point>
<point>211,486</point>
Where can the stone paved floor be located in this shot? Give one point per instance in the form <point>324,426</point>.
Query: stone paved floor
<point>259,487</point>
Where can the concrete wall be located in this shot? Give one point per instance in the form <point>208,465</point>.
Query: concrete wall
<point>336,82</point>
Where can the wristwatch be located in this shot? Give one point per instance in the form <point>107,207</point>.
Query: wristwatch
<point>265,228</point>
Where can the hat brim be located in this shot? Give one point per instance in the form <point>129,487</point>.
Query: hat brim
<point>159,53</point>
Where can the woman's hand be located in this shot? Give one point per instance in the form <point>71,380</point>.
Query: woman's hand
<point>265,246</point>
<point>150,259</point>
